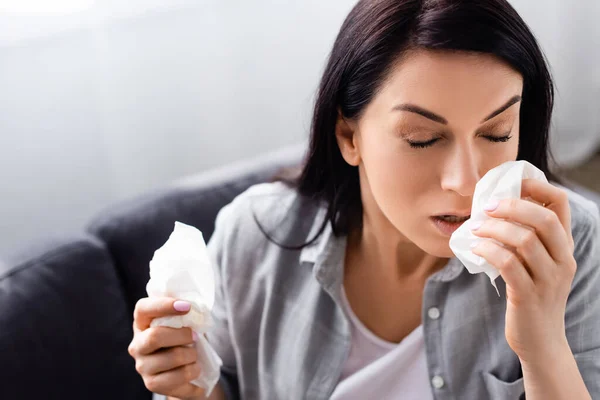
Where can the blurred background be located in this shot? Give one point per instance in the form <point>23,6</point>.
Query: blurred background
<point>103,100</point>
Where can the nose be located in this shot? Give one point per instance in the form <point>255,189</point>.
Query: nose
<point>460,172</point>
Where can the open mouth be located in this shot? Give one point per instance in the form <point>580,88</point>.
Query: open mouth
<point>448,224</point>
<point>453,218</point>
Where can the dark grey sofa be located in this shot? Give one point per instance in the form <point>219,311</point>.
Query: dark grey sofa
<point>66,305</point>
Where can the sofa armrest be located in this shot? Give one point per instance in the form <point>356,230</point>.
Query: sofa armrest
<point>65,324</point>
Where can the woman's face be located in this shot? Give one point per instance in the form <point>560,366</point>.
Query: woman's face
<point>439,123</point>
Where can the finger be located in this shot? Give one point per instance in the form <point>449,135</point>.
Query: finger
<point>545,222</point>
<point>158,337</point>
<point>525,242</point>
<point>507,263</point>
<point>175,382</point>
<point>148,308</point>
<point>553,198</point>
<point>166,360</point>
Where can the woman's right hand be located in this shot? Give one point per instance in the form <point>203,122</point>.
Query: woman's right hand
<point>165,357</point>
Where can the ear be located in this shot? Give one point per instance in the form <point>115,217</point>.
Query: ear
<point>346,134</point>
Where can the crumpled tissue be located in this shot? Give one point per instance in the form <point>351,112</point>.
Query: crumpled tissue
<point>502,182</point>
<point>182,269</point>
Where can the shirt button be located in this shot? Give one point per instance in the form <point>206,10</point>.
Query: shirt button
<point>437,382</point>
<point>433,313</point>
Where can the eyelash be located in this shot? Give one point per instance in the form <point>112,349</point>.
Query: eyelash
<point>429,143</point>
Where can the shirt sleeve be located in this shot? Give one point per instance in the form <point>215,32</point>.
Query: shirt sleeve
<point>219,336</point>
<point>582,319</point>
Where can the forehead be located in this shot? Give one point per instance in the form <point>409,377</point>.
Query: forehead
<point>456,85</point>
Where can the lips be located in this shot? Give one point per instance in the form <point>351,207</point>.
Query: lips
<point>448,224</point>
<point>453,218</point>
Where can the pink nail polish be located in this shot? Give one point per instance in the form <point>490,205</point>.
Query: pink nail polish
<point>194,336</point>
<point>492,205</point>
<point>182,306</point>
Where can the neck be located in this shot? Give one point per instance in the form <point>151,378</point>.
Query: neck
<point>379,245</point>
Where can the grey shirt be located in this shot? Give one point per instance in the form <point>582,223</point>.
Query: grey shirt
<point>282,333</point>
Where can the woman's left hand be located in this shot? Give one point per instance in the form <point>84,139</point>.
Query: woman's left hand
<point>537,265</point>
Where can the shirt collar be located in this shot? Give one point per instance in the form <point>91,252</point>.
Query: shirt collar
<point>327,255</point>
<point>310,252</point>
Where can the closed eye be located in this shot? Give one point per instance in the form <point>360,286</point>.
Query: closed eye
<point>422,145</point>
<point>429,143</point>
<point>498,139</point>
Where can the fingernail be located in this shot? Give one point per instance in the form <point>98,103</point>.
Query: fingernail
<point>492,205</point>
<point>476,225</point>
<point>474,244</point>
<point>194,336</point>
<point>182,306</point>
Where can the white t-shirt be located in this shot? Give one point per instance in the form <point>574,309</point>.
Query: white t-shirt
<point>378,369</point>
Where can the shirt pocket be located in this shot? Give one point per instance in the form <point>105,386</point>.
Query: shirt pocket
<point>500,390</point>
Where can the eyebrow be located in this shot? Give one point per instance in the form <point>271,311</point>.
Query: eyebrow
<point>441,120</point>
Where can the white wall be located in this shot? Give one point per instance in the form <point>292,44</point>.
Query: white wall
<point>570,38</point>
<point>98,108</point>
<point>126,96</point>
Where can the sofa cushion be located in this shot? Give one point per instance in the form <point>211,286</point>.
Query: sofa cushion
<point>65,326</point>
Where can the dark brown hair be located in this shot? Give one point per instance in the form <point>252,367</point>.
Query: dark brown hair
<point>373,37</point>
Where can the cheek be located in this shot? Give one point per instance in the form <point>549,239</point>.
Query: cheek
<point>494,155</point>
<point>398,180</point>
<point>401,185</point>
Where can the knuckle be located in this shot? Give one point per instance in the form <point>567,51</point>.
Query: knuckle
<point>151,383</point>
<point>152,339</point>
<point>513,203</point>
<point>187,373</point>
<point>550,220</point>
<point>191,371</point>
<point>188,355</point>
<point>131,349</point>
<point>139,366</point>
<point>528,240</point>
<point>563,196</point>
<point>571,244</point>
<point>179,356</point>
<point>137,311</point>
<point>508,261</point>
<point>572,267</point>
<point>191,355</point>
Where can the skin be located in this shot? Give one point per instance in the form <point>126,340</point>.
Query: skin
<point>402,187</point>
<point>164,356</point>
<point>398,247</point>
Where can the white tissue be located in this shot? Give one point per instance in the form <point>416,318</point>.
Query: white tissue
<point>502,182</point>
<point>182,269</point>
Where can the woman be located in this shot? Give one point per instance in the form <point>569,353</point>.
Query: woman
<point>342,285</point>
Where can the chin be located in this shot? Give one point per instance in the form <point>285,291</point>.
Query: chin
<point>441,253</point>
